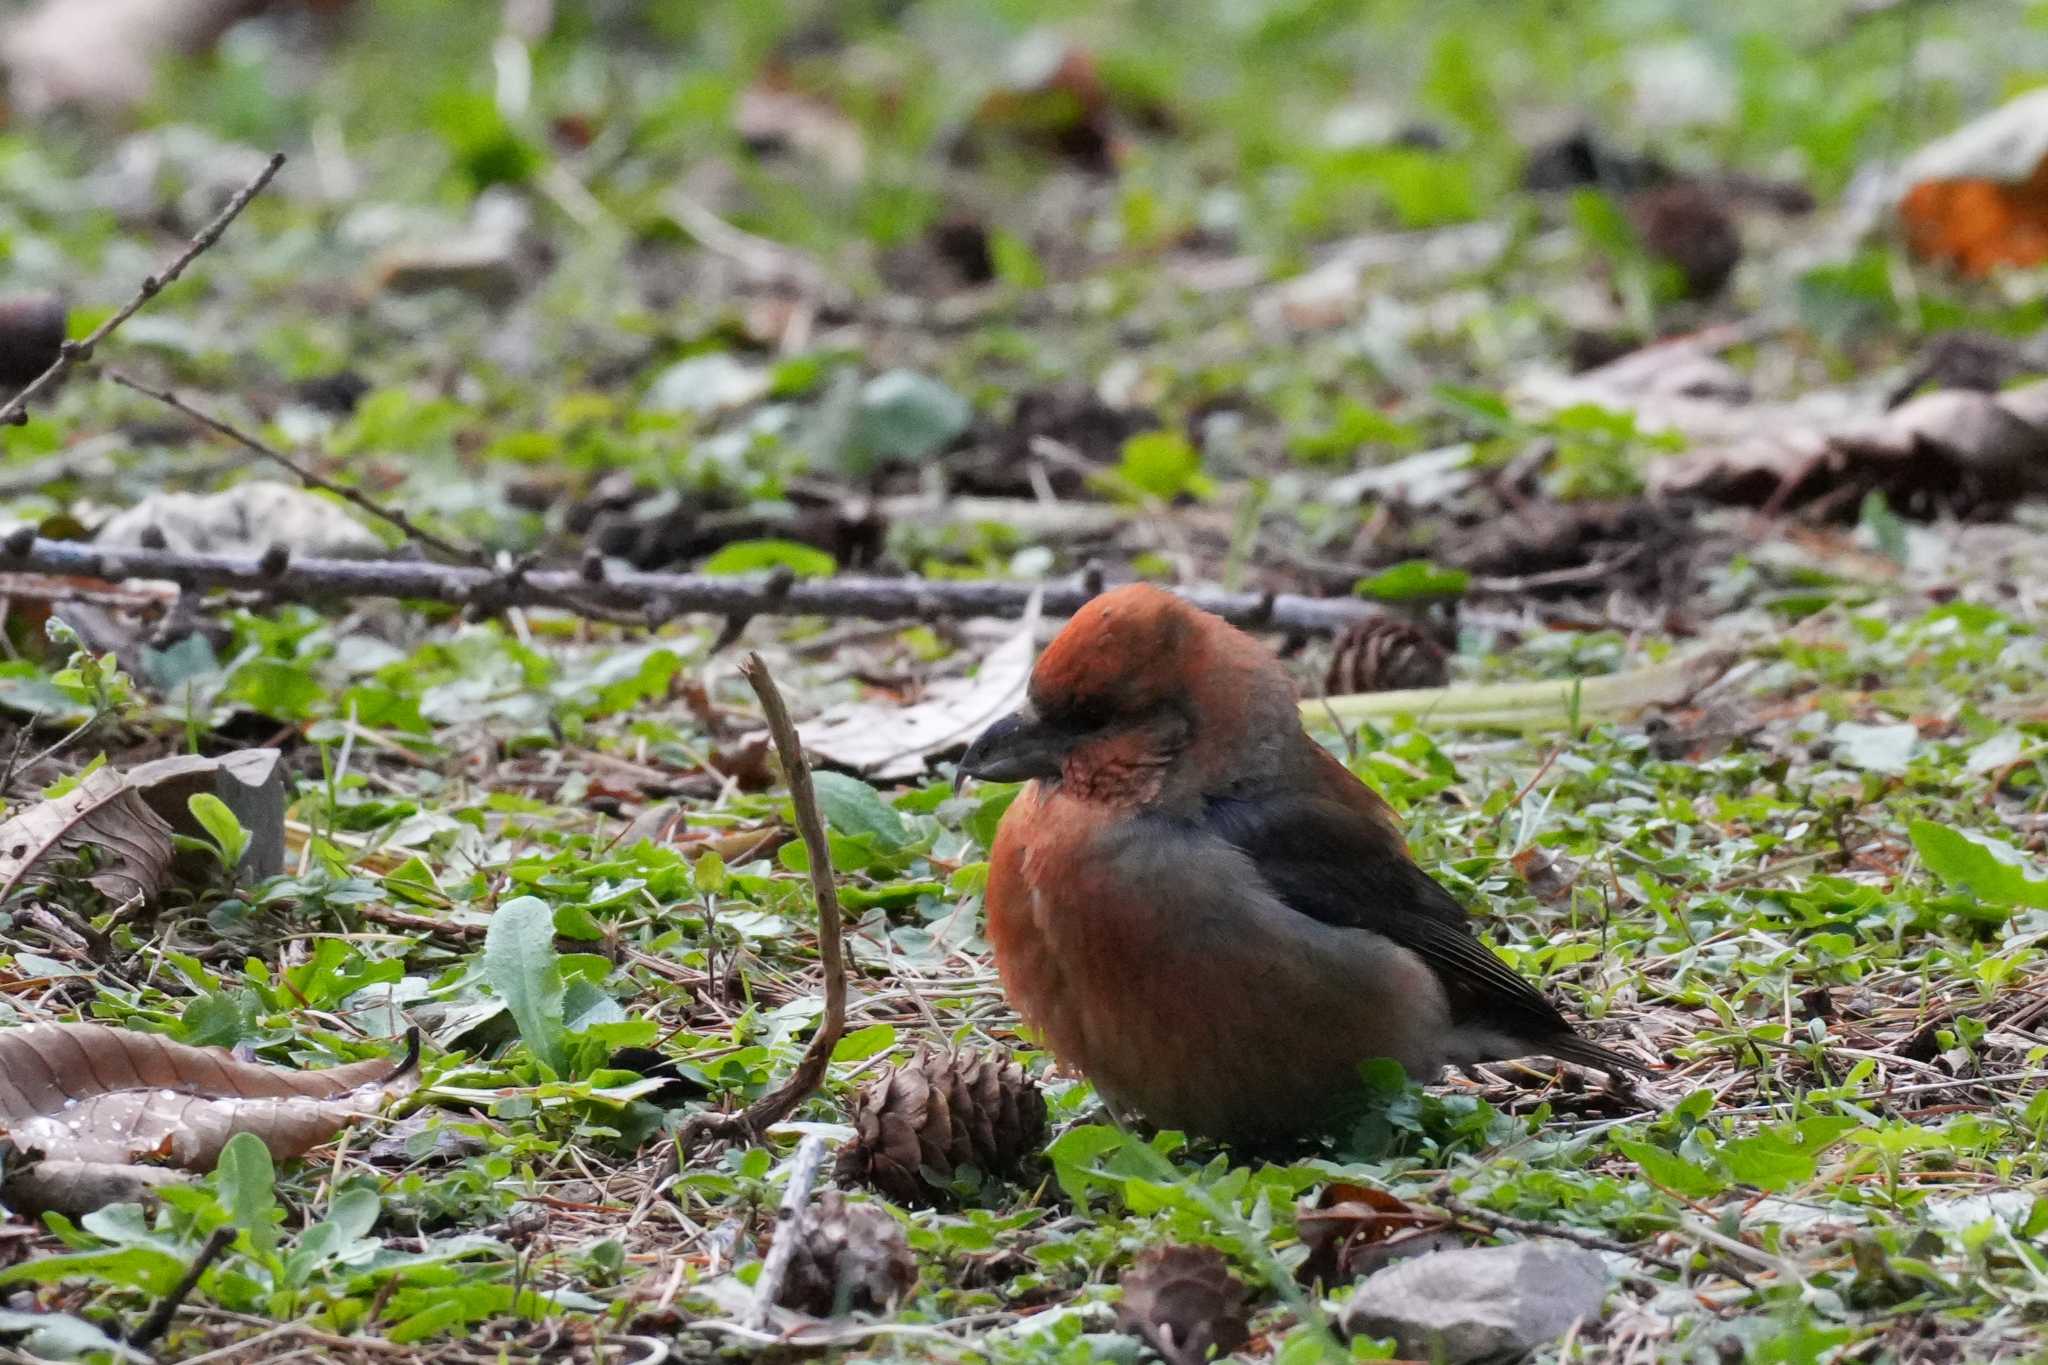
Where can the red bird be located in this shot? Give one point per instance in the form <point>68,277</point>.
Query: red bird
<point>1200,908</point>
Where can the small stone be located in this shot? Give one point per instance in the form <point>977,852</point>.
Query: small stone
<point>1477,1302</point>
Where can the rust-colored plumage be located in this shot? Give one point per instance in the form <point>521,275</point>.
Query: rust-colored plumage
<point>1203,910</point>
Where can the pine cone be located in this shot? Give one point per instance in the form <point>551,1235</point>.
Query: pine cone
<point>925,1120</point>
<point>848,1258</point>
<point>1688,225</point>
<point>1185,1303</point>
<point>1384,654</point>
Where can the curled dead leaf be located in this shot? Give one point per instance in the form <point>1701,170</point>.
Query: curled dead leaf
<point>1184,1302</point>
<point>76,1188</point>
<point>1954,449</point>
<point>1948,447</point>
<point>1352,1230</point>
<point>125,821</point>
<point>884,743</point>
<point>130,843</point>
<point>90,1093</point>
<point>1978,198</point>
<point>1549,876</point>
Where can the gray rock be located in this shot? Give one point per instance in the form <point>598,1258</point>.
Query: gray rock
<point>1477,1302</point>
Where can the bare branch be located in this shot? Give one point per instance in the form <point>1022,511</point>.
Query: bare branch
<point>75,353</point>
<point>653,598</point>
<point>167,1307</point>
<point>779,1103</point>
<point>353,496</point>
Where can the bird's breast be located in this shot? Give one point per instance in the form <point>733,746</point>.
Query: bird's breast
<point>1155,960</point>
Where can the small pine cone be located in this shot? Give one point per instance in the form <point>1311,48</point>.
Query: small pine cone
<point>849,1258</point>
<point>1385,654</point>
<point>1184,1302</point>
<point>1688,225</point>
<point>925,1120</point>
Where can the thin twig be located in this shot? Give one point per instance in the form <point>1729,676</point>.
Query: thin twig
<point>354,496</point>
<point>421,924</point>
<point>779,1103</point>
<point>75,353</point>
<point>159,1320</point>
<point>1529,1227</point>
<point>656,597</point>
<point>803,1175</point>
<point>91,720</point>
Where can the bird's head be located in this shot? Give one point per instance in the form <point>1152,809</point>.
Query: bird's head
<point>1140,692</point>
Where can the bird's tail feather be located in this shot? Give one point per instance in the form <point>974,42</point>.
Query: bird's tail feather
<point>1570,1047</point>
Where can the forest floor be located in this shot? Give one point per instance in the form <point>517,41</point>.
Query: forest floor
<point>1580,338</point>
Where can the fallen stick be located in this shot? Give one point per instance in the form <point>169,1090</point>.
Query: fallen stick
<point>779,1103</point>
<point>655,597</point>
<point>159,1320</point>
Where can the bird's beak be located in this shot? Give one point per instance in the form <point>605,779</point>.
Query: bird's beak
<point>1014,749</point>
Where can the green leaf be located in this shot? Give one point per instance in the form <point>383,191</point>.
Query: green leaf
<point>487,148</point>
<point>1978,865</point>
<point>1769,1162</point>
<point>1075,1153</point>
<point>60,1336</point>
<point>275,688</point>
<point>1875,748</point>
<point>216,1019</point>
<point>1016,264</point>
<point>221,826</point>
<point>1163,464</point>
<point>853,808</point>
<point>520,964</point>
<point>903,416</point>
<point>1413,579</point>
<point>759,556</point>
<point>864,1043</point>
<point>247,1183</point>
<point>1674,1173</point>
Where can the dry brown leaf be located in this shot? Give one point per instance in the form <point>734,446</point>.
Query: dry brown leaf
<point>128,817</point>
<point>249,782</point>
<point>1352,1230</point>
<point>1550,876</point>
<point>1184,1302</point>
<point>102,54</point>
<point>1954,444</point>
<point>1978,198</point>
<point>102,813</point>
<point>1952,447</point>
<point>888,743</point>
<point>90,1093</point>
<point>76,1188</point>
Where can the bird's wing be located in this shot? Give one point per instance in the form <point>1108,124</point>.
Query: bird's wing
<point>1338,857</point>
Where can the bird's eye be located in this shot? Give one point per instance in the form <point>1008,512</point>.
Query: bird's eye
<point>1085,713</point>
